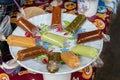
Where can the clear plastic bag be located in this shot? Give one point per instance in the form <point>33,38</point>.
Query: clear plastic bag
<point>98,63</point>
<point>5,26</point>
<point>106,37</point>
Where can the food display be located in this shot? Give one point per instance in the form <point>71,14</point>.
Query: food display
<point>54,39</point>
<point>56,17</point>
<point>53,62</point>
<point>30,53</point>
<point>89,36</point>
<point>76,23</point>
<point>71,59</point>
<point>61,46</point>
<point>21,41</point>
<point>27,26</point>
<point>87,51</point>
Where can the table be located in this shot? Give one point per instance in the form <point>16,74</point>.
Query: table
<point>101,20</point>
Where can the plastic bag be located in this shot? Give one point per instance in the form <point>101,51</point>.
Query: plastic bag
<point>98,63</point>
<point>87,7</point>
<point>5,26</point>
<point>106,37</point>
